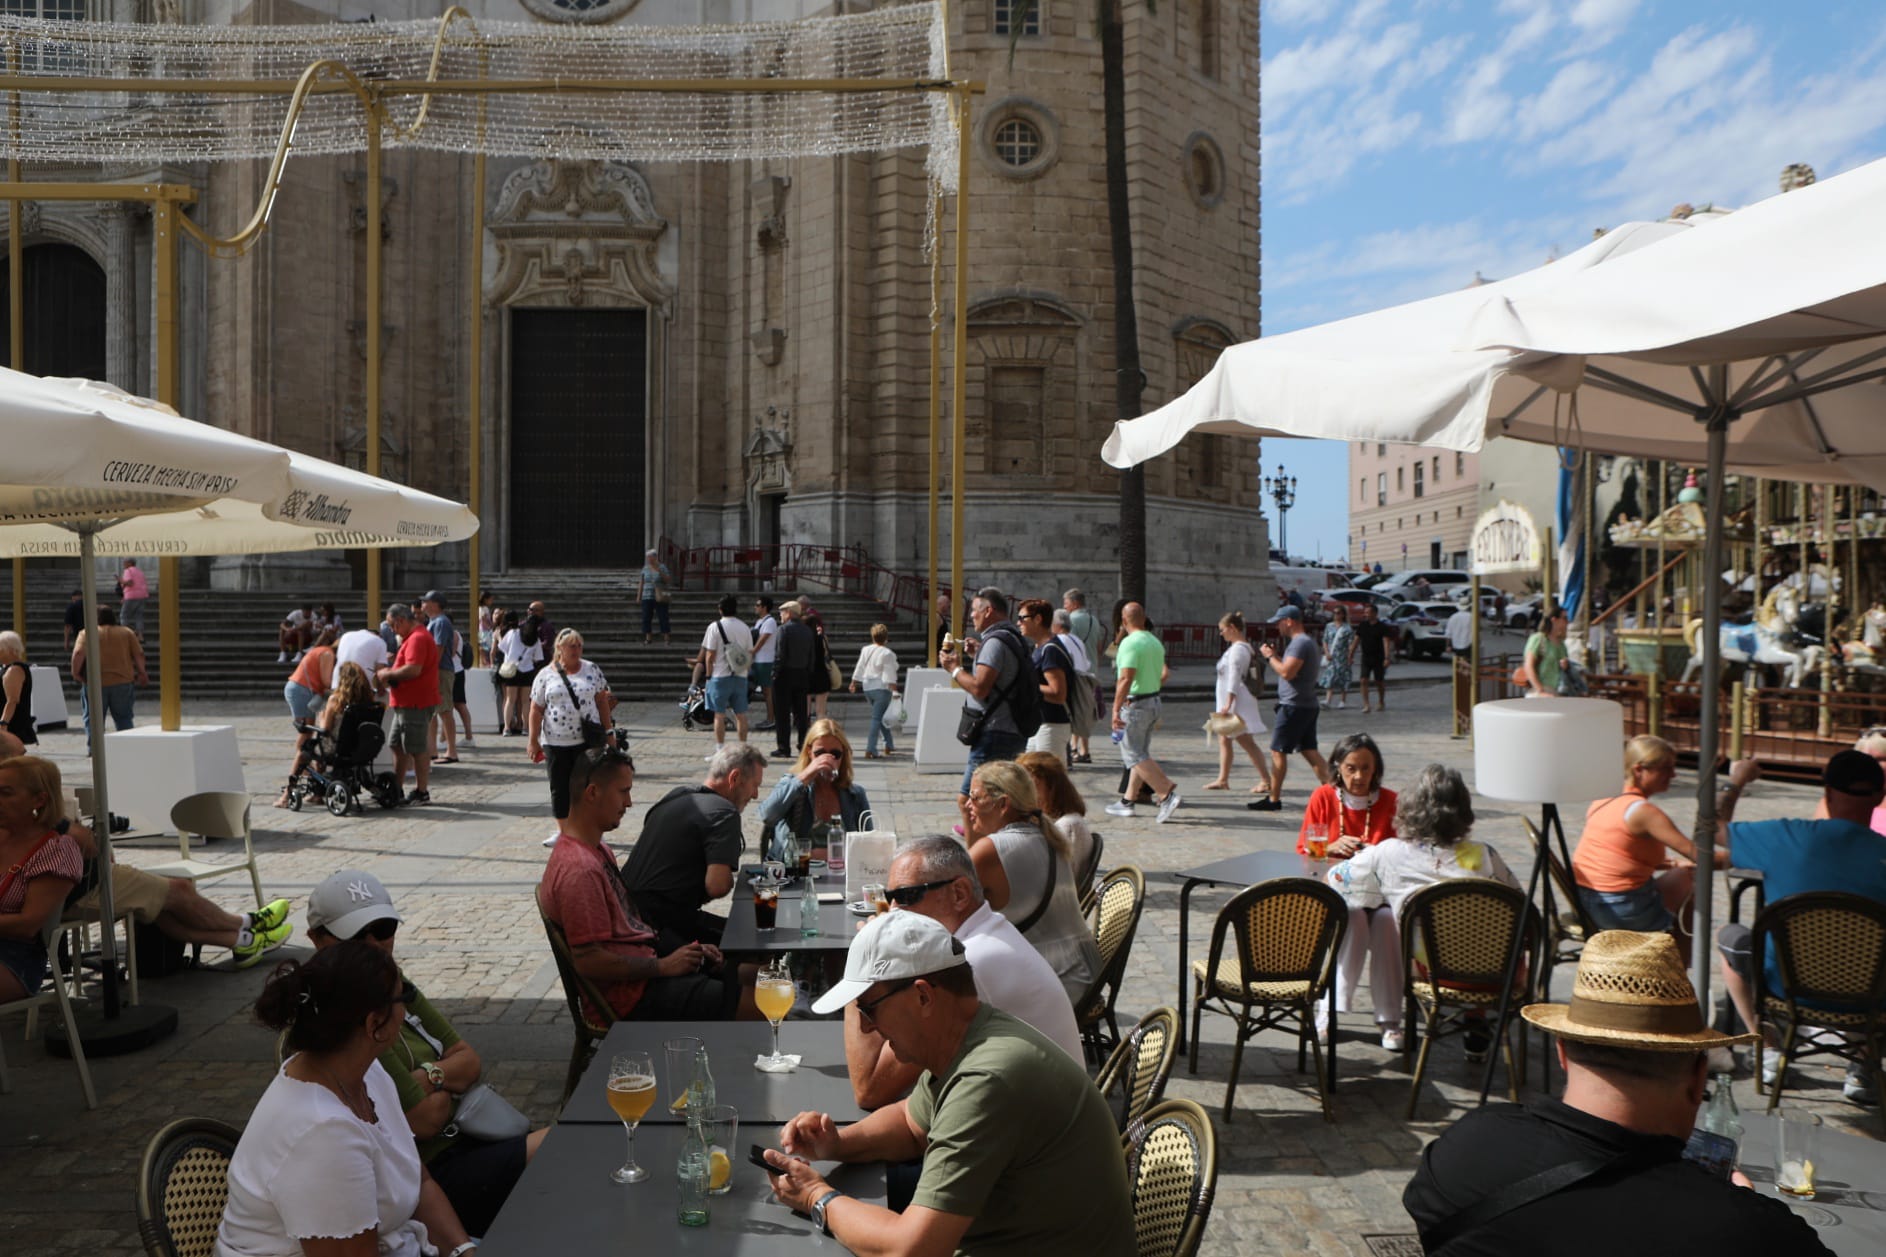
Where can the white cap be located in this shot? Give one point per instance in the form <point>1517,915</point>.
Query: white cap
<point>348,902</point>
<point>889,948</point>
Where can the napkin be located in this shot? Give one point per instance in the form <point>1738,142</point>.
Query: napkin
<point>788,1062</point>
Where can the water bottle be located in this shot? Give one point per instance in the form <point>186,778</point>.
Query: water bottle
<point>700,1085</point>
<point>1119,736</point>
<point>809,911</point>
<point>1722,1116</point>
<point>693,1172</point>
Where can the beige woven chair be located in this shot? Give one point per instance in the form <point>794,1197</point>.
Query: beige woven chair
<point>1831,949</point>
<point>54,992</point>
<point>1172,1172</point>
<point>183,1185</point>
<point>1134,1077</point>
<point>1114,918</point>
<point>1283,938</point>
<point>1462,931</point>
<point>588,1032</point>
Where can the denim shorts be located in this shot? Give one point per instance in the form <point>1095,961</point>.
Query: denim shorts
<point>994,744</point>
<point>1141,717</point>
<point>1641,908</point>
<point>1295,729</point>
<point>301,702</point>
<point>727,694</point>
<point>25,961</point>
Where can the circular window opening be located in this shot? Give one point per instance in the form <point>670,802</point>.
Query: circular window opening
<point>1017,142</point>
<point>1204,174</point>
<point>1204,170</point>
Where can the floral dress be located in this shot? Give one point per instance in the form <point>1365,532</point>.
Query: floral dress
<point>1338,639</point>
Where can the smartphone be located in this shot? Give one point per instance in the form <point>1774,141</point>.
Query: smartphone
<point>831,896</point>
<point>757,1155</point>
<point>1713,1152</point>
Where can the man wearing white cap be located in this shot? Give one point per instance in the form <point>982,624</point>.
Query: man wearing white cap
<point>1020,1154</point>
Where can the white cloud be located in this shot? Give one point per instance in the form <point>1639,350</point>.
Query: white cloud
<point>1575,90</point>
<point>1606,17</point>
<point>1294,12</point>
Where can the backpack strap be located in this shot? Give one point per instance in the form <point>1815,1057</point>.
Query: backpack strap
<point>1520,1193</point>
<point>1047,896</point>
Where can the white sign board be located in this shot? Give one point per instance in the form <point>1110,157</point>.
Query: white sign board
<point>1506,540</point>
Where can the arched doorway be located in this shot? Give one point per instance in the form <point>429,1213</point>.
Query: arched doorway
<point>65,313</point>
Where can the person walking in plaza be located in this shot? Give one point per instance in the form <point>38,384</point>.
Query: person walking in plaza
<point>765,651</point>
<point>1544,665</point>
<point>818,787</point>
<point>413,681</point>
<point>727,658</point>
<point>792,680</point>
<point>121,669</point>
<point>657,584</point>
<point>1002,710</point>
<point>1140,663</point>
<point>1053,675</point>
<point>1092,635</point>
<point>876,675</point>
<point>1024,862</point>
<point>1234,698</point>
<point>135,589</point>
<point>1080,699</point>
<point>690,848</point>
<point>445,637</point>
<point>520,655</point>
<point>1295,732</point>
<point>1459,631</point>
<point>487,628</point>
<point>1375,644</point>
<point>823,682</point>
<point>1339,653</point>
<point>570,710</point>
<point>16,689</point>
<point>462,655</point>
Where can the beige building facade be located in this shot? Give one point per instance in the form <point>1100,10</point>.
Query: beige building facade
<point>1410,507</point>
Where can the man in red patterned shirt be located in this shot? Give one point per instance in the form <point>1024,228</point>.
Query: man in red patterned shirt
<point>583,893</point>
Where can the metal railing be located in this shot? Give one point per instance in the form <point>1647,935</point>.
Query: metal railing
<point>795,565</point>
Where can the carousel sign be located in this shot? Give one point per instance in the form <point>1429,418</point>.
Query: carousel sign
<point>1506,540</point>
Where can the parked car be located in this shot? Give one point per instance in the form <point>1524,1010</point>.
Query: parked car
<point>1441,582</point>
<point>1521,613</point>
<point>1355,600</point>
<point>1422,627</point>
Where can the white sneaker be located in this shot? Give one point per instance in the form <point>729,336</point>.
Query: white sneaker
<point>551,841</point>
<point>1167,806</point>
<point>1120,807</point>
<point>1393,1039</point>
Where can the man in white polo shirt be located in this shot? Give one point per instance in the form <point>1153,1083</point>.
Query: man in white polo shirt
<point>934,877</point>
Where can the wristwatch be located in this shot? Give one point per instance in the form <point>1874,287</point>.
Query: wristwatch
<point>434,1075</point>
<point>818,1210</point>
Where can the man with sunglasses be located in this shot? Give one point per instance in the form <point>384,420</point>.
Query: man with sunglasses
<point>934,877</point>
<point>1019,1151</point>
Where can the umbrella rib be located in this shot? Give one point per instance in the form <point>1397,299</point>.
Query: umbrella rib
<point>1802,393</point>
<point>1772,369</point>
<point>1811,383</point>
<point>1612,382</point>
<point>1506,420</point>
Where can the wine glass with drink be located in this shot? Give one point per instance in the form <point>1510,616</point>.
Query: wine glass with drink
<point>631,1092</point>
<point>773,995</point>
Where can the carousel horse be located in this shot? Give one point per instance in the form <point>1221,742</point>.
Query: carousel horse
<point>1751,644</point>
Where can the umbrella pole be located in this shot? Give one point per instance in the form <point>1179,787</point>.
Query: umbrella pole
<point>1702,951</point>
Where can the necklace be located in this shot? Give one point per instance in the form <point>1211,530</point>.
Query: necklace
<point>347,1097</point>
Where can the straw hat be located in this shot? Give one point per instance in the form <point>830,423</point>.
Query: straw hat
<point>1631,991</point>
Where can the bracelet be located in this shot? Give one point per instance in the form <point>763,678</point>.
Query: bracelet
<point>462,1249</point>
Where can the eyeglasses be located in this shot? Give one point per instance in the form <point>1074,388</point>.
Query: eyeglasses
<point>383,929</point>
<point>905,896</point>
<point>408,993</point>
<point>869,1011</point>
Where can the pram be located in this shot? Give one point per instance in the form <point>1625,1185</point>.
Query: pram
<point>340,764</point>
<point>694,711</point>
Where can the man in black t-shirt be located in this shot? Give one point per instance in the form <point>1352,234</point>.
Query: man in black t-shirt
<point>690,847</point>
<point>1376,640</point>
<point>74,618</point>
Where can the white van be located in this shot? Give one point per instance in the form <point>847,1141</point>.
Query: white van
<point>1308,581</point>
<point>1442,581</point>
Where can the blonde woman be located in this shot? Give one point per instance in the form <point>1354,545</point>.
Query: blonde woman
<point>1235,699</point>
<point>1022,860</point>
<point>817,788</point>
<point>562,698</point>
<point>16,688</point>
<point>876,675</point>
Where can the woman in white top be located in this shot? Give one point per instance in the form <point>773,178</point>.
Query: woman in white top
<point>1022,860</point>
<point>562,697</point>
<point>876,675</point>
<point>520,651</point>
<point>327,1166</point>
<point>1235,699</point>
<point>1061,802</point>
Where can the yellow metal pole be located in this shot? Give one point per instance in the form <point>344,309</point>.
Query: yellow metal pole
<point>169,601</point>
<point>1735,721</point>
<point>960,384</point>
<point>930,615</point>
<point>16,306</point>
<point>477,372</point>
<point>373,335</point>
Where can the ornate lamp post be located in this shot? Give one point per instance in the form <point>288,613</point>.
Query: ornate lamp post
<point>1283,491</point>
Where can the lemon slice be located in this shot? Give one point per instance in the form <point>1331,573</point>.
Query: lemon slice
<point>719,1169</point>
<point>678,1103</point>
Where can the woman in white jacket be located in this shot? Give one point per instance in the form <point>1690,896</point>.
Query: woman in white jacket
<point>876,675</point>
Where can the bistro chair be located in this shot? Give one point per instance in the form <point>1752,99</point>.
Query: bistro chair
<point>1134,1077</point>
<point>55,992</point>
<point>1172,1172</point>
<point>1115,919</point>
<point>587,1030</point>
<point>183,1185</point>
<point>1569,927</point>
<point>212,814</point>
<point>1273,957</point>
<point>1455,940</point>
<point>1831,949</point>
<point>1088,874</point>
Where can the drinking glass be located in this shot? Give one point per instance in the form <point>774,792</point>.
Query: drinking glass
<point>721,1124</point>
<point>773,994</point>
<point>1796,1135</point>
<point>631,1092</point>
<point>1316,838</point>
<point>765,905</point>
<point>680,1053</point>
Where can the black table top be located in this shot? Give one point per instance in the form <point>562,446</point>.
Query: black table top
<point>831,882</point>
<point>1255,866</point>
<point>820,1083</point>
<point>566,1202</point>
<point>837,926</point>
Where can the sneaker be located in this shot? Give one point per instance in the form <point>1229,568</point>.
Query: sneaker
<point>1477,1042</point>
<point>1394,1039</point>
<point>269,916</point>
<point>1858,1088</point>
<point>261,941</point>
<point>1771,1066</point>
<point>1120,807</point>
<point>1265,805</point>
<point>765,726</point>
<point>551,841</point>
<point>281,656</point>
<point>419,797</point>
<point>1167,806</point>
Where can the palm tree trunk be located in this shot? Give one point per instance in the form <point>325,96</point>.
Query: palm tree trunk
<point>1128,380</point>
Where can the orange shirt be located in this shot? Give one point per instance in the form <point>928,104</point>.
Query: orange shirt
<point>1326,808</point>
<point>1610,857</point>
<point>308,672</point>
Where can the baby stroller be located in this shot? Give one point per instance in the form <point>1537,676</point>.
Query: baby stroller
<point>694,713</point>
<point>340,764</point>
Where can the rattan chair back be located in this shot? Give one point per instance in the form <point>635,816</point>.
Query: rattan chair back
<point>586,1029</point>
<point>1281,931</point>
<point>183,1185</point>
<point>1114,918</point>
<point>1172,1173</point>
<point>1134,1077</point>
<point>1831,949</point>
<point>1464,930</point>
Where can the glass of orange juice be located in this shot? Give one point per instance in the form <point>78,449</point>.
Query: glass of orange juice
<point>773,994</point>
<point>631,1092</point>
<point>1316,839</point>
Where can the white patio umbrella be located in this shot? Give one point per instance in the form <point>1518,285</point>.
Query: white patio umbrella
<point>1754,341</point>
<point>92,469</point>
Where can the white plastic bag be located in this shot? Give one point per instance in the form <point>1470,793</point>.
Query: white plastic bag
<point>868,854</point>
<point>897,717</point>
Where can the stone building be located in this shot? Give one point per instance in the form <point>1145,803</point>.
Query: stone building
<point>732,353</point>
<point>1412,507</point>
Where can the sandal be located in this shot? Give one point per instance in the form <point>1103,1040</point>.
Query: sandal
<point>1218,785</point>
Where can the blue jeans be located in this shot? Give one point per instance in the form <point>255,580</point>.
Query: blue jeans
<point>118,700</point>
<point>649,609</point>
<point>880,701</point>
<point>992,745</point>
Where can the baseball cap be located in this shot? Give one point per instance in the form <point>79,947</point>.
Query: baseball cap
<point>349,901</point>
<point>889,948</point>
<point>433,595</point>
<point>1853,772</point>
<point>1286,612</point>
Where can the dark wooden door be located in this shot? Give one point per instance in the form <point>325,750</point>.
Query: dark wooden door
<point>579,418</point>
<point>65,313</point>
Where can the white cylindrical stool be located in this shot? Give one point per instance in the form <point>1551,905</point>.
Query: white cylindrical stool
<point>1548,750</point>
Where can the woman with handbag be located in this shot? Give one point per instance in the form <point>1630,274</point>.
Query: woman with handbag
<point>570,707</point>
<point>1237,717</point>
<point>39,866</point>
<point>1022,859</point>
<point>518,655</point>
<point>657,589</point>
<point>474,1143</point>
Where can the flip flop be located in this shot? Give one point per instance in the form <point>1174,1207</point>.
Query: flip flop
<point>448,759</point>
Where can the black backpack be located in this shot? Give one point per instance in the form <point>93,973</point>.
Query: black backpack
<point>1023,695</point>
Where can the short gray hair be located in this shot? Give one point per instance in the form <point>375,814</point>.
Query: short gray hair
<point>997,600</point>
<point>732,757</point>
<point>1437,808</point>
<point>1063,622</point>
<point>12,643</point>
<point>1075,596</point>
<point>941,858</point>
<point>399,611</point>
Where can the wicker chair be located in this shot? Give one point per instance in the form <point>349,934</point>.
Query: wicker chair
<point>1280,962</point>
<point>1463,930</point>
<point>1172,1172</point>
<point>1139,1067</point>
<point>588,1032</point>
<point>183,1186</point>
<point>1831,949</point>
<point>1115,919</point>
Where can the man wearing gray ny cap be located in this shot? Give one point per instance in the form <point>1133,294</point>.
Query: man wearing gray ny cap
<point>1019,1152</point>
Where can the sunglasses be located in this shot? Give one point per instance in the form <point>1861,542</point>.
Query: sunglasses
<point>905,896</point>
<point>408,993</point>
<point>600,755</point>
<point>383,929</point>
<point>869,1011</point>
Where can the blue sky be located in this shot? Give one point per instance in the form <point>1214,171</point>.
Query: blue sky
<point>1409,144</point>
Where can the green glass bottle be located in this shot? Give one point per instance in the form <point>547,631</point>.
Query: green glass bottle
<point>693,1173</point>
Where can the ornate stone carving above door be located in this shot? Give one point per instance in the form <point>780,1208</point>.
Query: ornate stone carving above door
<point>578,233</point>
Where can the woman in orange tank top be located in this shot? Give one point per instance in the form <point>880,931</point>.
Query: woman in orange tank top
<point>1634,867</point>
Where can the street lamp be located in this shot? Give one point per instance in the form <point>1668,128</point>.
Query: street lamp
<point>1283,491</point>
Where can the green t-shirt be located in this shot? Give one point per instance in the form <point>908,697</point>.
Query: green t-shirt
<point>1146,655</point>
<point>1020,1140</point>
<point>413,1049</point>
<point>1550,661</point>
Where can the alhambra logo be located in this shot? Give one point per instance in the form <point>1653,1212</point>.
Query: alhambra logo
<point>315,510</point>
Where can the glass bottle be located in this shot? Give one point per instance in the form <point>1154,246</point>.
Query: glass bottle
<point>1722,1116</point>
<point>693,1171</point>
<point>700,1085</point>
<point>788,852</point>
<point>809,911</point>
<point>792,911</point>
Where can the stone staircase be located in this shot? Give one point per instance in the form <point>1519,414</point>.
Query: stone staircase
<point>228,638</point>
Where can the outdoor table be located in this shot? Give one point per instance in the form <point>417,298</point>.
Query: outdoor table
<point>794,886</point>
<point>1240,871</point>
<point>838,925</point>
<point>820,1083</point>
<point>565,1202</point>
<point>1848,1211</point>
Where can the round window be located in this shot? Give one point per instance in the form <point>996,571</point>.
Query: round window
<point>583,11</point>
<point>1017,142</point>
<point>1018,138</point>
<point>1204,170</point>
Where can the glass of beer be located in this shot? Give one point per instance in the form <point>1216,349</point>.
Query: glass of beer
<point>773,994</point>
<point>1316,838</point>
<point>631,1092</point>
<point>765,905</point>
<point>1795,1136</point>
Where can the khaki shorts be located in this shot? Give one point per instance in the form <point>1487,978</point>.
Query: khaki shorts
<point>408,733</point>
<point>445,693</point>
<point>132,890</point>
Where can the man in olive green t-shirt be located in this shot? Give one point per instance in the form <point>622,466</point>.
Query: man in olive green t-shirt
<point>1020,1155</point>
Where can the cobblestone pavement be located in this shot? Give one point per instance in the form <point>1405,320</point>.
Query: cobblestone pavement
<point>462,871</point>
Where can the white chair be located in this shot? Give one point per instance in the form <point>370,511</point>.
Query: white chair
<point>212,814</point>
<point>54,993</point>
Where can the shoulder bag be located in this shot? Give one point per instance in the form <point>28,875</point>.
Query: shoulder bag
<point>739,658</point>
<point>486,1116</point>
<point>1027,923</point>
<point>1529,1190</point>
<point>593,732</point>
